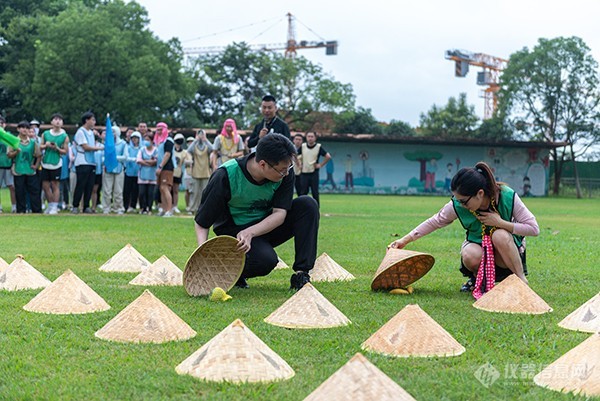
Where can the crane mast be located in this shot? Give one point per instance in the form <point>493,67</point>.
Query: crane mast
<point>491,66</point>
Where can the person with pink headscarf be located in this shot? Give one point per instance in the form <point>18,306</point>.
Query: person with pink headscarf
<point>227,145</point>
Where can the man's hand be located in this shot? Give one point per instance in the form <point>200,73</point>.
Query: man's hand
<point>244,238</point>
<point>263,132</point>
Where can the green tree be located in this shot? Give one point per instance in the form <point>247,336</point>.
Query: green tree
<point>360,121</point>
<point>455,119</point>
<point>232,83</point>
<point>422,156</point>
<point>550,93</point>
<point>100,57</point>
<point>399,128</point>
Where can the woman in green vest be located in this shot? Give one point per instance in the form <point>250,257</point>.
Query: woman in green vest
<point>492,214</point>
<point>26,159</point>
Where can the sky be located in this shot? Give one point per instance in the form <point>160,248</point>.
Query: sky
<point>391,52</point>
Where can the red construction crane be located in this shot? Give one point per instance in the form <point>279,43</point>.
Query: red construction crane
<point>489,76</point>
<point>290,47</point>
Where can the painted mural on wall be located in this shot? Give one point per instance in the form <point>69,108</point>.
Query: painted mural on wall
<point>376,168</point>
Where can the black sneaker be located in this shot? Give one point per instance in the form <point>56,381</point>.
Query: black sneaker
<point>298,280</point>
<point>242,283</point>
<point>469,285</point>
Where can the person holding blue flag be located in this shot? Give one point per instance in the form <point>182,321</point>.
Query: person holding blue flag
<point>114,176</point>
<point>85,164</point>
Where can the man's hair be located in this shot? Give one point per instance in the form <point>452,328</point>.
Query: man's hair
<point>274,148</point>
<point>55,115</point>
<point>86,116</point>
<point>24,124</point>
<point>299,136</point>
<point>269,98</point>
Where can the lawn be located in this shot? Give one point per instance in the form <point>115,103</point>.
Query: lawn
<point>58,357</point>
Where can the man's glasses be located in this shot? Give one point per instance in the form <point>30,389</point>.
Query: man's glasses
<point>284,173</point>
<point>462,201</point>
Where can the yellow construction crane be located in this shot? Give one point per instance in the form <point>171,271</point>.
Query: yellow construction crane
<point>290,46</point>
<point>491,66</point>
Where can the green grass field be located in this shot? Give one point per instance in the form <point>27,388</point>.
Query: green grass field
<point>57,357</point>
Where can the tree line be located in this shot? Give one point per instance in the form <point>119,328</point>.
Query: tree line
<point>75,55</point>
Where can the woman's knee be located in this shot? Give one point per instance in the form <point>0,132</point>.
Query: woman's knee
<point>502,238</point>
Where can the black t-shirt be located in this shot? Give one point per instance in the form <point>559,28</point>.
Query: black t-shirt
<point>169,148</point>
<point>277,124</point>
<point>214,211</point>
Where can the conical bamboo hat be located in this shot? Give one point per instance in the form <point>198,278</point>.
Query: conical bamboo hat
<point>20,275</point>
<point>215,263</point>
<point>327,269</point>
<point>236,355</point>
<point>400,268</point>
<point>161,272</point>
<point>127,260</point>
<point>68,294</point>
<point>577,371</point>
<point>359,380</point>
<point>412,332</point>
<point>585,318</point>
<point>146,320</point>
<point>512,295</point>
<point>281,264</point>
<point>307,309</point>
<point>3,264</point>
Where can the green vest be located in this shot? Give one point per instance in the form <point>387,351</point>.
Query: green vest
<point>249,202</point>
<point>24,159</point>
<point>473,226</point>
<point>52,156</point>
<point>5,161</point>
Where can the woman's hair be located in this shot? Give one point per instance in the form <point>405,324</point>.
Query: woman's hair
<point>469,180</point>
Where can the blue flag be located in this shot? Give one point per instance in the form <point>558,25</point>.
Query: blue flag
<point>110,153</point>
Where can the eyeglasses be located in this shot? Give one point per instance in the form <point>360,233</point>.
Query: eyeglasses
<point>462,201</point>
<point>283,174</point>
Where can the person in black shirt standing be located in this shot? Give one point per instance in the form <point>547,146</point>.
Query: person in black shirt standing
<point>251,198</point>
<point>271,123</point>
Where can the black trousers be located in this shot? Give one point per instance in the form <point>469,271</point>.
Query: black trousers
<point>86,175</point>
<point>298,184</point>
<point>146,196</point>
<point>28,185</point>
<point>301,223</point>
<point>310,180</point>
<point>130,192</point>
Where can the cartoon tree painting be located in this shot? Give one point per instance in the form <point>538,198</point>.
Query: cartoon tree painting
<point>422,156</point>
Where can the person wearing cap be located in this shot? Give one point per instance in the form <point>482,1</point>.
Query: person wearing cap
<point>271,122</point>
<point>496,221</point>
<point>228,145</point>
<point>251,198</point>
<point>34,126</point>
<point>85,162</point>
<point>26,158</point>
<point>130,186</point>
<point>200,149</point>
<point>6,175</point>
<point>179,153</point>
<point>54,144</point>
<point>113,180</point>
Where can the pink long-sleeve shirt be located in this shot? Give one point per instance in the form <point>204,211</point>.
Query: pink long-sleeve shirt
<point>524,221</point>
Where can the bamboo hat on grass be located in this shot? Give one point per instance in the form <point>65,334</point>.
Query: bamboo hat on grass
<point>146,320</point>
<point>585,318</point>
<point>359,380</point>
<point>307,309</point>
<point>215,263</point>
<point>281,264</point>
<point>68,294</point>
<point>127,260</point>
<point>577,371</point>
<point>327,269</point>
<point>512,295</point>
<point>161,272</point>
<point>236,355</point>
<point>412,332</point>
<point>20,275</point>
<point>400,268</point>
<point>3,264</point>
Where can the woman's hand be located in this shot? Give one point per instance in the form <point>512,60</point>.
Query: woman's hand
<point>400,243</point>
<point>490,219</point>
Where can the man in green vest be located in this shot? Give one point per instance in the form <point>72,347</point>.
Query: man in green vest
<point>251,198</point>
<point>26,159</point>
<point>6,175</point>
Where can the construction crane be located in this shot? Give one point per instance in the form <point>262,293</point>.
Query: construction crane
<point>489,76</point>
<point>290,47</point>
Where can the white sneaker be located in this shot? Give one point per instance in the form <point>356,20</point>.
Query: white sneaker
<point>53,210</point>
<point>176,210</point>
<point>168,214</point>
